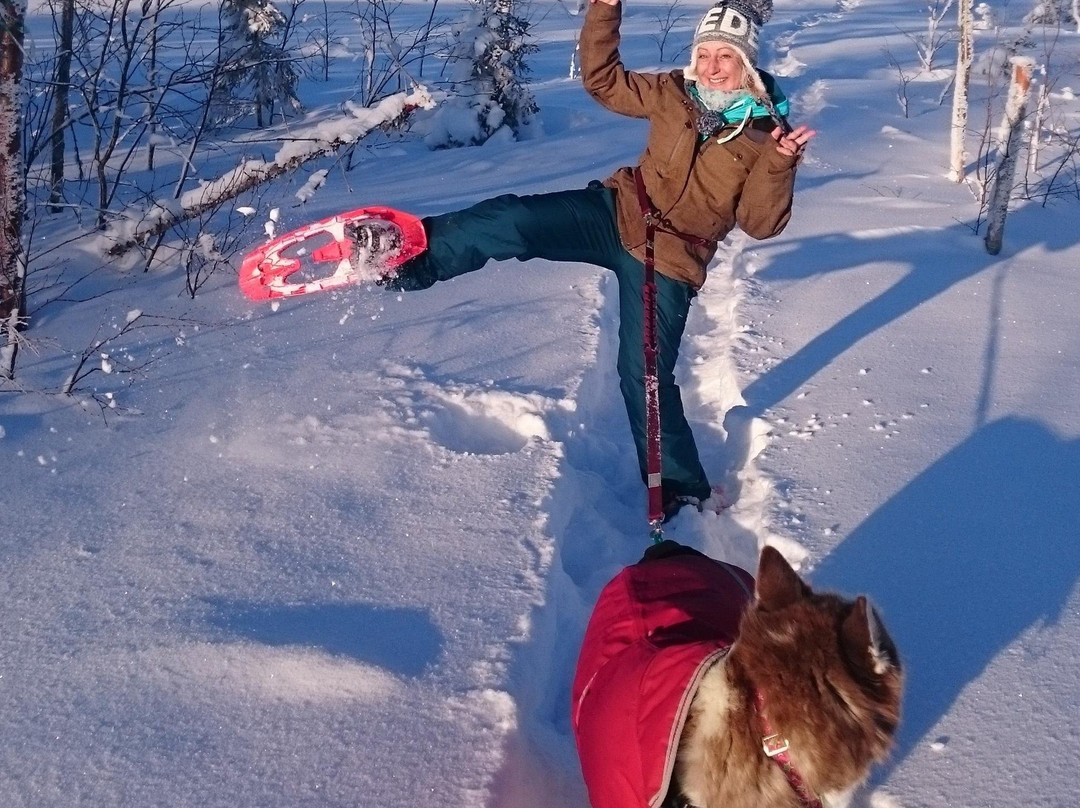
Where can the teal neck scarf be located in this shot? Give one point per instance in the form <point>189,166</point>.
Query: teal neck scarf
<point>739,107</point>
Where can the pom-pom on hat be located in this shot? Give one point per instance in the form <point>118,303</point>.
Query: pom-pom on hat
<point>737,23</point>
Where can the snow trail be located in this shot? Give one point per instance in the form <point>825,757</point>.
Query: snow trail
<point>598,512</point>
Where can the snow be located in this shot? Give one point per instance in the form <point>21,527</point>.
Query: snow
<point>340,550</point>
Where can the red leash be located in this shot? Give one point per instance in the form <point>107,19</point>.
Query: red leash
<point>652,350</point>
<point>652,377</point>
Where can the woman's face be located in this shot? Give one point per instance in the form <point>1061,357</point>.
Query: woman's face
<point>719,66</point>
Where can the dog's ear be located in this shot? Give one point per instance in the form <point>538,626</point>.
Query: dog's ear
<point>777,583</point>
<point>865,640</point>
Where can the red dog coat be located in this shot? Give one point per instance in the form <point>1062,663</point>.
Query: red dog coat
<point>656,629</point>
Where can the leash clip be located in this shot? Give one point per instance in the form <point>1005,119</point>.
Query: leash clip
<point>774,745</point>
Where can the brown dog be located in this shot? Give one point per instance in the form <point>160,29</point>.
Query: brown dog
<point>817,672</point>
<point>699,686</point>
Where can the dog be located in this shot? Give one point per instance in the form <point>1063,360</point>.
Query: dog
<point>698,686</point>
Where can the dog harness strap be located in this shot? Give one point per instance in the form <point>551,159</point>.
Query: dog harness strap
<point>776,747</point>
<point>652,378</point>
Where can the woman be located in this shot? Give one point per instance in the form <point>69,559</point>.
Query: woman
<point>719,153</point>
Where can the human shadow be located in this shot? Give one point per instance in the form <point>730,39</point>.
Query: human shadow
<point>403,641</point>
<point>974,551</point>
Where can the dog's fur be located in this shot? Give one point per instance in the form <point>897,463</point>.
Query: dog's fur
<point>831,683</point>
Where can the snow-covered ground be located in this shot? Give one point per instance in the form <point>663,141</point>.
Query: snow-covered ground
<point>341,551</point>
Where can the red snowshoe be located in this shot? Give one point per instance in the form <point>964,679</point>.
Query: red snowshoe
<point>363,245</point>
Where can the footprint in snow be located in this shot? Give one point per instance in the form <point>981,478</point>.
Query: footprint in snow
<point>482,422</point>
<point>470,419</point>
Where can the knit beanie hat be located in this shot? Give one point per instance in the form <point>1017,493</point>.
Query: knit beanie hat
<point>736,23</point>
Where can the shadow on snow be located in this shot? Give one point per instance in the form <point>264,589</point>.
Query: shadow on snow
<point>970,554</point>
<point>402,641</point>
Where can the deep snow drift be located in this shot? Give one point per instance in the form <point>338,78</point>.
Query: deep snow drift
<point>340,551</point>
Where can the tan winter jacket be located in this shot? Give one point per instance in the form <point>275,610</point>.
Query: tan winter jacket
<point>702,189</point>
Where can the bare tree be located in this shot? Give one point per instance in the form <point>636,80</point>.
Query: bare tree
<point>123,90</point>
<point>904,80</point>
<point>61,89</point>
<point>1010,137</point>
<point>1042,105</point>
<point>117,356</point>
<point>665,22</point>
<point>965,54</point>
<point>933,40</point>
<point>152,9</point>
<point>12,185</point>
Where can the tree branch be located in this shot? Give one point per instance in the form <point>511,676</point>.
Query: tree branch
<point>321,140</point>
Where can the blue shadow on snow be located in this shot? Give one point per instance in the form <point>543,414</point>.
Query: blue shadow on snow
<point>975,550</point>
<point>935,261</point>
<point>403,641</point>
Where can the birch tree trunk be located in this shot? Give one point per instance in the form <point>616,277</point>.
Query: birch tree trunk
<point>1012,134</point>
<point>1035,141</point>
<point>12,188</point>
<point>60,103</point>
<point>965,55</point>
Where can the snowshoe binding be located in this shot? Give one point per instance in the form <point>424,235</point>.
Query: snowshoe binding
<point>374,243</point>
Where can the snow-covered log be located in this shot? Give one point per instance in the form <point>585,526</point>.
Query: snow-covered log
<point>303,146</point>
<point>1012,128</point>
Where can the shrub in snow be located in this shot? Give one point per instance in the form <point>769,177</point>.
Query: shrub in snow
<point>984,18</point>
<point>488,91</point>
<point>1049,12</point>
<point>254,72</point>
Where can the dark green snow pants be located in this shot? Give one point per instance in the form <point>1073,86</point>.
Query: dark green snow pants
<point>579,226</point>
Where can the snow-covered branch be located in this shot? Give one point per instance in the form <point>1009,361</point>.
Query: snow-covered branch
<point>321,140</point>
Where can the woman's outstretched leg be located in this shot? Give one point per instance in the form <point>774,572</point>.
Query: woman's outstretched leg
<point>574,225</point>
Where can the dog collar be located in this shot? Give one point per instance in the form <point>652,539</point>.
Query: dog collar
<point>776,747</point>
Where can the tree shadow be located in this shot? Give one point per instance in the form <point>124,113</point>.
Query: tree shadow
<point>403,641</point>
<point>971,553</point>
<point>937,261</point>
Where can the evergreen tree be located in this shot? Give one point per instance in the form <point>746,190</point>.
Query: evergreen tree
<point>254,71</point>
<point>1051,12</point>
<point>489,93</point>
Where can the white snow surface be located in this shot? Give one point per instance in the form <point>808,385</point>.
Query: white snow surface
<point>341,550</point>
